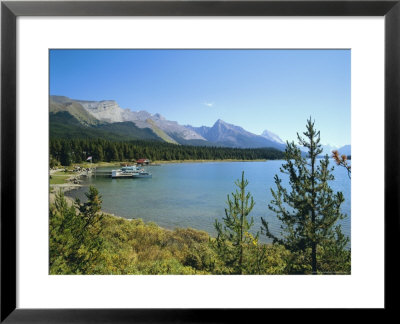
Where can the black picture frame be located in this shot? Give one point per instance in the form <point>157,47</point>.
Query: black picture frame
<point>10,10</point>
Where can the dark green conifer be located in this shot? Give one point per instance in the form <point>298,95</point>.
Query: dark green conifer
<point>309,210</point>
<point>75,243</point>
<point>234,238</point>
<point>66,154</point>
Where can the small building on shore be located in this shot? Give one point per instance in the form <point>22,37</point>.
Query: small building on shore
<point>143,161</point>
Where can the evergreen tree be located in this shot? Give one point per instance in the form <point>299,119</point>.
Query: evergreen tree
<point>62,245</point>
<point>115,155</point>
<point>55,149</point>
<point>233,239</point>
<point>98,154</point>
<point>75,243</point>
<point>53,162</point>
<point>310,210</point>
<point>65,154</point>
<point>90,211</point>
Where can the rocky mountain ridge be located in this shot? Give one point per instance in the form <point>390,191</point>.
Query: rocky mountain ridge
<point>107,114</point>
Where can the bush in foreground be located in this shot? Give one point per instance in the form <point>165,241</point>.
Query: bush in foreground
<point>83,240</point>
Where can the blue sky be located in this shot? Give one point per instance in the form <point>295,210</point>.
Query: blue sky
<point>255,89</point>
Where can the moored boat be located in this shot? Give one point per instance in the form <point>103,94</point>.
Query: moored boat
<point>142,174</point>
<point>130,172</point>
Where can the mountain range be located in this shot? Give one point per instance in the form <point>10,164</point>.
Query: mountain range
<point>70,118</point>
<point>224,134</point>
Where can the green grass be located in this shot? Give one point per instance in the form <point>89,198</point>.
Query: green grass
<point>60,177</point>
<point>99,164</point>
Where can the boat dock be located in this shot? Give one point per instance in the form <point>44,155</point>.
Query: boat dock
<point>106,174</point>
<point>115,174</point>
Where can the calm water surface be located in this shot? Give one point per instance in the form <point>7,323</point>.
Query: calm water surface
<point>195,194</point>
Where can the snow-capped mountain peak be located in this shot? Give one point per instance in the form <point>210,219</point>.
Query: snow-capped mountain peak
<point>272,137</point>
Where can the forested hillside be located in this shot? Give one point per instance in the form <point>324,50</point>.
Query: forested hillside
<point>63,125</point>
<point>67,151</point>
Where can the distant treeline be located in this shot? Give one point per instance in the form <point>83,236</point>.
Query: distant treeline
<point>67,151</point>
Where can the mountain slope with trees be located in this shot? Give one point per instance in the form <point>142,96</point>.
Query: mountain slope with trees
<point>106,116</point>
<point>63,125</point>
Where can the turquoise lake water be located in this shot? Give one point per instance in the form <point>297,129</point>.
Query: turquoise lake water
<point>195,194</point>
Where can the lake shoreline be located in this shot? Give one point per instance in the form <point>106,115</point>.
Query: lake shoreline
<point>71,201</point>
<point>121,163</point>
<point>204,161</point>
<point>189,195</point>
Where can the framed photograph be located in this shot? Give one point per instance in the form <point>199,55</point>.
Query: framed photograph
<point>161,158</point>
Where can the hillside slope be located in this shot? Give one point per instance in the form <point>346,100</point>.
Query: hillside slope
<point>65,125</point>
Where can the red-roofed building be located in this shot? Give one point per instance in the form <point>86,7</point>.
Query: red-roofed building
<point>143,161</point>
